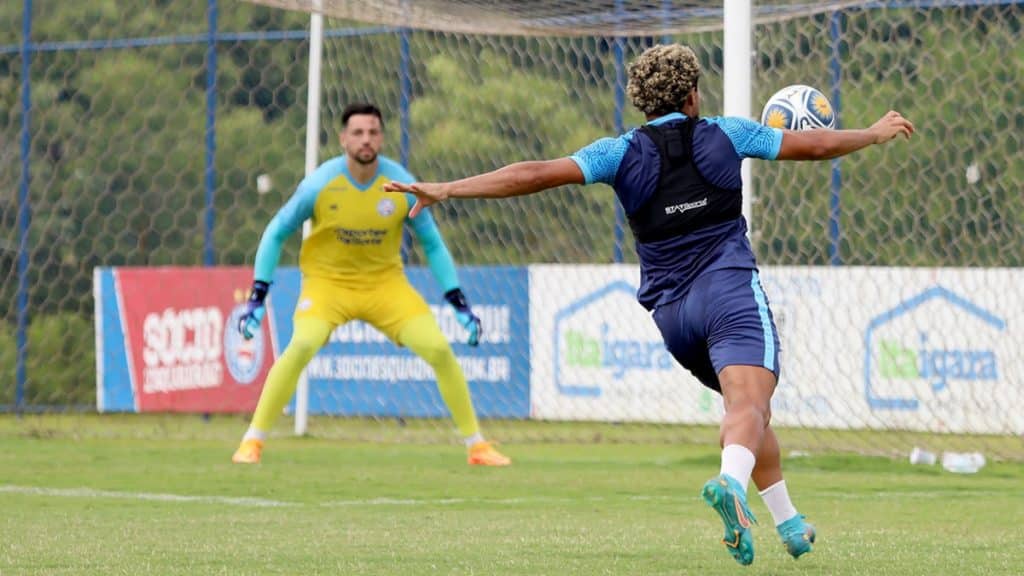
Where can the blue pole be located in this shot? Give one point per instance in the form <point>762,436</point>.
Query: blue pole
<point>620,104</point>
<point>209,257</point>
<point>24,211</point>
<point>404,97</point>
<point>835,258</point>
<point>666,7</point>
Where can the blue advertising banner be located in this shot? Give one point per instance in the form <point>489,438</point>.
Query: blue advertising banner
<point>359,372</point>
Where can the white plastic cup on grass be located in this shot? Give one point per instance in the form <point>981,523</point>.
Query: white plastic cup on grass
<point>963,462</point>
<point>922,457</point>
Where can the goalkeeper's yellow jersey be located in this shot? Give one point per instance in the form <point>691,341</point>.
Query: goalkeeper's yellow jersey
<point>356,236</point>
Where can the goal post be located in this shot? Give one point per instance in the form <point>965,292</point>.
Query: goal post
<point>316,42</point>
<point>737,73</point>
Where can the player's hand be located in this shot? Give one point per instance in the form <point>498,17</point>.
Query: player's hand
<point>471,322</point>
<point>464,314</point>
<point>890,126</point>
<point>255,309</point>
<point>427,193</point>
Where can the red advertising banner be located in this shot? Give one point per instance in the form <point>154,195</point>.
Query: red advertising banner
<point>184,350</point>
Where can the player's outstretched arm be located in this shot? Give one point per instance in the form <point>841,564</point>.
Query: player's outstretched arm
<point>825,144</point>
<point>516,179</point>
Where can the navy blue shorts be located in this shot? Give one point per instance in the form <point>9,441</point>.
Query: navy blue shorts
<point>724,320</point>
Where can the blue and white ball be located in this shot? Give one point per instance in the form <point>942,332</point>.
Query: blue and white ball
<point>798,107</point>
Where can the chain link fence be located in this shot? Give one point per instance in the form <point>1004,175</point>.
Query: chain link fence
<point>169,133</point>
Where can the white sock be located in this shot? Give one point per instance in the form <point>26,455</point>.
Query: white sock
<point>470,440</point>
<point>776,497</point>
<point>738,462</point>
<point>254,434</point>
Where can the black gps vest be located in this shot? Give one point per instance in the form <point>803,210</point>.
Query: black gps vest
<point>683,201</point>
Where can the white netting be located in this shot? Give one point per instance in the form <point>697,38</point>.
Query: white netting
<point>535,82</point>
<point>543,18</point>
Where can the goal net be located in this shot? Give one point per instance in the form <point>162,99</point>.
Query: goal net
<point>890,271</point>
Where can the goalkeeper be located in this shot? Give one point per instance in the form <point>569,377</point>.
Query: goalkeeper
<point>678,180</point>
<point>352,270</point>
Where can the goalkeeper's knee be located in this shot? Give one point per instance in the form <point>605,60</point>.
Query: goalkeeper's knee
<point>436,352</point>
<point>302,349</point>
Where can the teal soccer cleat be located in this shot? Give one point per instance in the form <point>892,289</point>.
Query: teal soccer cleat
<point>727,497</point>
<point>797,535</point>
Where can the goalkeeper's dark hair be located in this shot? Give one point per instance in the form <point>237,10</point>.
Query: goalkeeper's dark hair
<point>361,108</point>
<point>662,77</point>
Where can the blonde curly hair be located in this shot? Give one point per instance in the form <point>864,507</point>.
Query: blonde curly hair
<point>661,78</point>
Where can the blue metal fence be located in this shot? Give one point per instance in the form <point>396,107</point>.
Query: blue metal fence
<point>24,210</point>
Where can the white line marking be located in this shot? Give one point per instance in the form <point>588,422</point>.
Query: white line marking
<point>93,493</point>
<point>450,501</point>
<point>390,501</point>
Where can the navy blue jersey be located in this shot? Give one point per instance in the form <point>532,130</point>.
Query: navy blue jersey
<point>630,163</point>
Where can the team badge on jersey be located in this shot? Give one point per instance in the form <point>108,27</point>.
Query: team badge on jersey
<point>386,207</point>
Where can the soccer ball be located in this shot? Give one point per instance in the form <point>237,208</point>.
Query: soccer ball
<point>798,107</point>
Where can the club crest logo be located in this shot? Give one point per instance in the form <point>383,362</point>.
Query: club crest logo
<point>386,207</point>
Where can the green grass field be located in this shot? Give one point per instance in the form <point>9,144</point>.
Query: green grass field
<point>86,495</point>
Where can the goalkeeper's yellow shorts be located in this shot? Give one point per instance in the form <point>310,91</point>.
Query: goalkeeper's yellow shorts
<point>388,306</point>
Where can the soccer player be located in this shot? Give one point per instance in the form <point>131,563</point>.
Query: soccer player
<point>678,180</point>
<point>352,270</point>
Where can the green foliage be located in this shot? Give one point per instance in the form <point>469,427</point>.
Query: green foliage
<point>61,361</point>
<point>494,99</point>
<point>907,203</point>
<point>71,338</point>
<point>8,356</point>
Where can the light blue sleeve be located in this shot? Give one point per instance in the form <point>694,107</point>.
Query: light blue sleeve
<point>439,259</point>
<point>290,217</point>
<point>599,161</point>
<point>750,139</point>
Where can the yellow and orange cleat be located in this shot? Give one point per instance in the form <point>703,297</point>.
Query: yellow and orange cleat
<point>484,454</point>
<point>248,452</point>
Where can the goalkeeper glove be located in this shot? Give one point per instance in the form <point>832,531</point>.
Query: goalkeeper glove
<point>465,316</point>
<point>249,323</point>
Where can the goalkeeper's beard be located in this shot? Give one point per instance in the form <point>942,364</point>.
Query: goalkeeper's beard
<point>360,158</point>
